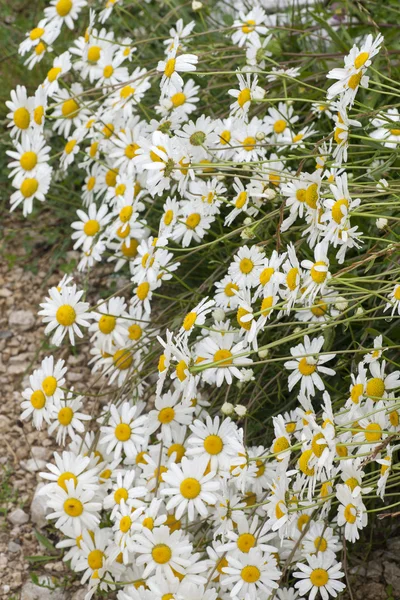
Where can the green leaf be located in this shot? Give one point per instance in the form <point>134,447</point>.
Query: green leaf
<point>44,541</point>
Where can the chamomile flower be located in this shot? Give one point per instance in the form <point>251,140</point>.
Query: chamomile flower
<point>250,574</point>
<point>21,109</point>
<point>31,187</point>
<point>91,224</point>
<point>321,575</point>
<point>351,512</point>
<point>248,91</point>
<point>110,326</point>
<point>29,155</point>
<point>124,431</point>
<point>169,415</point>
<point>68,418</point>
<point>74,508</point>
<point>64,313</point>
<point>171,81</point>
<point>394,300</point>
<point>61,65</point>
<point>36,404</point>
<point>124,490</point>
<point>191,490</point>
<point>229,355</point>
<point>308,364</point>
<point>247,266</point>
<point>64,11</point>
<point>218,440</point>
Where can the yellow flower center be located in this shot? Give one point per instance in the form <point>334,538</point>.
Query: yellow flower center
<point>319,577</point>
<point>246,265</point>
<point>49,385</point>
<point>373,432</point>
<point>394,418</point>
<point>245,542</point>
<point>305,368</point>
<point>356,392</point>
<point>318,448</point>
<point>135,332</point>
<point>180,370</point>
<point>166,415</point>
<point>169,67</point>
<point>143,290</point>
<point>66,315</point>
<point>266,305</point>
<point>317,275</point>
<point>190,488</point>
<point>244,96</point>
<point>120,494</point>
<point>292,278</point>
<point>301,521</point>
<point>280,445</point>
<point>63,7</point>
<point>108,130</point>
<point>266,275</point>
<point>178,99</point>
<point>131,250</point>
<point>95,559</point>
<point>161,554</point>
<point>350,513</point>
<point>352,483</point>
<point>40,48</point>
<point>67,476</point>
<point>312,196</point>
<point>70,108</point>
<point>122,359</point>
<point>280,126</point>
<point>223,355</point>
<point>225,137</point>
<point>337,213</point>
<point>36,33</point>
<point>241,312</point>
<point>73,507</point>
<point>125,524</point>
<point>193,220</point>
<point>29,187</point>
<point>248,144</point>
<point>108,71</point>
<point>249,26</point>
<point>241,200</point>
<point>53,74</point>
<point>123,432</point>
<point>65,415</point>
<point>361,59</point>
<point>230,289</point>
<point>320,308</point>
<point>168,216</point>
<point>178,449</point>
<point>320,544</point>
<point>303,463</point>
<point>189,321</point>
<point>38,115</point>
<point>250,574</point>
<point>93,54</point>
<point>375,387</point>
<point>38,399</point>
<point>213,444</point>
<point>354,80</point>
<point>107,324</point>
<point>28,161</point>
<point>22,118</point>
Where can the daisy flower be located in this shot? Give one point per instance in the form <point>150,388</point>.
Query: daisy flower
<point>308,364</point>
<point>61,65</point>
<point>53,378</point>
<point>171,80</point>
<point>67,418</point>
<point>320,575</point>
<point>320,539</point>
<point>380,384</point>
<point>90,225</point>
<point>21,109</point>
<point>230,355</point>
<point>65,313</point>
<point>169,414</point>
<point>197,316</point>
<point>394,300</point>
<point>70,466</point>
<point>124,432</point>
<point>251,574</point>
<point>249,26</point>
<point>218,440</point>
<point>388,128</point>
<point>192,223</point>
<point>31,188</point>
<point>74,508</point>
<point>64,11</point>
<point>44,34</point>
<point>162,551</point>
<point>351,512</point>
<point>319,275</point>
<point>29,155</point>
<point>279,120</point>
<point>110,326</point>
<point>246,267</point>
<point>36,404</point>
<point>191,490</point>
<point>247,92</point>
<point>123,489</point>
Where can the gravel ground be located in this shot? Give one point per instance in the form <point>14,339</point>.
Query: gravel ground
<point>24,451</point>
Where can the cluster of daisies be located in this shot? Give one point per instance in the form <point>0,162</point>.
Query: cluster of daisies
<point>158,491</point>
